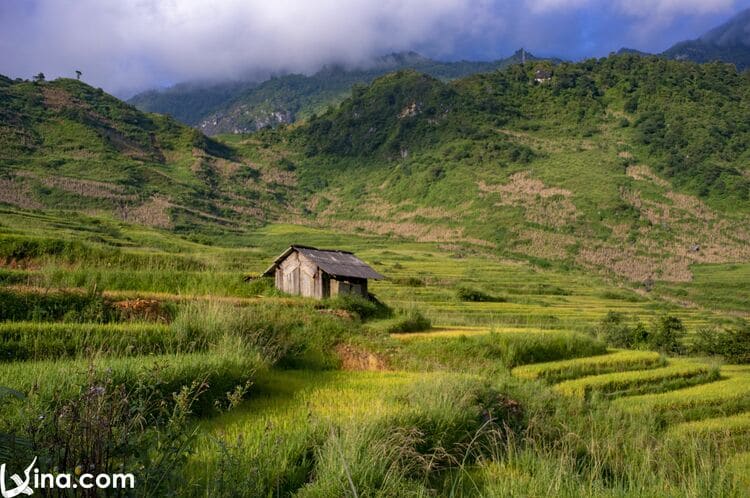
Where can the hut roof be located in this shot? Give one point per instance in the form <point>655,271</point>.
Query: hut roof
<point>334,262</point>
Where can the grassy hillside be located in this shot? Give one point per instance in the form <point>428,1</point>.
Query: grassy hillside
<point>65,145</point>
<point>205,383</point>
<point>624,164</point>
<point>631,168</point>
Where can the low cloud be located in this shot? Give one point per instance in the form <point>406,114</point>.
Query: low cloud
<point>127,45</point>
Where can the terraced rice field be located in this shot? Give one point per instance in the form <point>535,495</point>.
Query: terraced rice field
<point>740,466</point>
<point>618,361</point>
<point>676,374</point>
<point>727,396</point>
<point>734,425</point>
<point>464,331</point>
<point>696,401</point>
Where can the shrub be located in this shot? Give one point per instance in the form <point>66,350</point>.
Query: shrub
<point>409,281</point>
<point>668,334</point>
<point>476,296</point>
<point>410,321</point>
<point>732,344</point>
<point>615,332</point>
<point>365,309</point>
<point>263,286</point>
<point>665,335</point>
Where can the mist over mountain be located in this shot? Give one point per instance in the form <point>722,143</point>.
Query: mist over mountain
<point>240,107</point>
<point>729,42</point>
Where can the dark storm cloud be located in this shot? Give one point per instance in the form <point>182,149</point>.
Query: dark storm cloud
<point>126,45</point>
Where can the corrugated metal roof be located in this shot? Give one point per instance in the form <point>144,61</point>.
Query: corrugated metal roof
<point>333,262</point>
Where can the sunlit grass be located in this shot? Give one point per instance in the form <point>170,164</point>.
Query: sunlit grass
<point>726,396</point>
<point>619,361</point>
<point>732,425</point>
<point>464,331</point>
<point>678,373</point>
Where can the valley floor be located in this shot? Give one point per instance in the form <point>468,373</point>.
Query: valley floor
<point>223,387</point>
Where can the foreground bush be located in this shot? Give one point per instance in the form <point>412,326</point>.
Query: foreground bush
<point>51,382</point>
<point>111,427</point>
<point>416,429</point>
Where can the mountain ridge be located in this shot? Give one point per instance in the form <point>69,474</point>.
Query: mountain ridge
<point>729,42</point>
<point>245,107</point>
<point>630,166</point>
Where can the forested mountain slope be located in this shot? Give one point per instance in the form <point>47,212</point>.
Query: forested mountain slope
<point>240,107</point>
<point>729,42</point>
<point>631,166</point>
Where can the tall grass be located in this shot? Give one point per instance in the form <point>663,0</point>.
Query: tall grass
<point>493,350</point>
<point>40,340</point>
<point>365,434</point>
<point>221,371</point>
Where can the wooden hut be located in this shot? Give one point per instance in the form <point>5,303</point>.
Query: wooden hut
<point>311,272</point>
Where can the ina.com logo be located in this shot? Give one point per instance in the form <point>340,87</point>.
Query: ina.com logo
<point>33,479</point>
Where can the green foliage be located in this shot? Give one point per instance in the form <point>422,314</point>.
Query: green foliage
<point>509,349</point>
<point>263,286</point>
<point>409,321</point>
<point>666,334</point>
<point>409,281</point>
<point>731,344</point>
<point>57,305</point>
<point>391,114</point>
<point>365,309</point>
<point>476,296</point>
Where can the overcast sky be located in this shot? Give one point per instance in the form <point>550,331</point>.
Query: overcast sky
<point>129,45</point>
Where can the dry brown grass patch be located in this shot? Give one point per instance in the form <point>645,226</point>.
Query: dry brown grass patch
<point>543,205</point>
<point>17,194</point>
<point>154,213</point>
<point>357,359</point>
